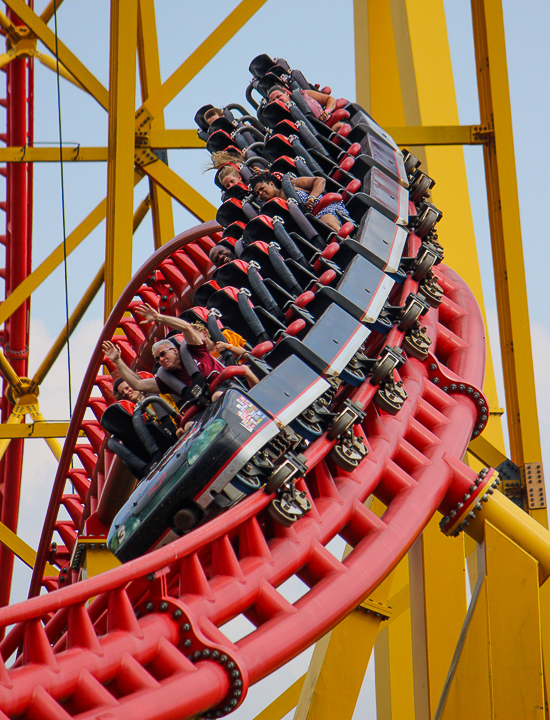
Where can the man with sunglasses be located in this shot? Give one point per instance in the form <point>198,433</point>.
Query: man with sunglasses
<point>167,355</point>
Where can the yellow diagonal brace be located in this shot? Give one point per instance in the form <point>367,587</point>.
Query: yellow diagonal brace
<point>5,22</point>
<point>49,10</point>
<point>9,373</point>
<point>20,548</point>
<point>181,191</point>
<point>70,61</point>
<point>83,305</point>
<point>486,452</point>
<point>202,55</point>
<point>51,154</point>
<point>284,703</point>
<point>17,416</point>
<point>76,317</point>
<point>52,443</point>
<point>30,283</point>
<point>7,57</point>
<point>52,64</point>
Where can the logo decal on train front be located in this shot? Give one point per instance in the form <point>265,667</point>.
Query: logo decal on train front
<point>249,413</point>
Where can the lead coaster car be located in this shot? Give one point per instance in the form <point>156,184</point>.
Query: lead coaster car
<point>228,454</point>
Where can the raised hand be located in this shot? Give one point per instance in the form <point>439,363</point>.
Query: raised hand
<point>148,314</point>
<point>111,351</point>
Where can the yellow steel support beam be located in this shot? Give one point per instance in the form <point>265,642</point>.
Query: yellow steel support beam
<point>497,669</point>
<point>341,657</point>
<point>339,660</point>
<point>438,607</point>
<point>40,429</point>
<point>425,67</point>
<point>149,72</point>
<point>37,277</point>
<point>120,168</point>
<point>201,56</point>
<point>90,83</point>
<point>97,558</point>
<point>177,139</point>
<point>393,654</point>
<point>23,551</point>
<point>440,135</point>
<point>362,50</point>
<point>509,270</point>
<point>52,154</point>
<point>184,139</point>
<point>516,524</point>
<point>176,186</point>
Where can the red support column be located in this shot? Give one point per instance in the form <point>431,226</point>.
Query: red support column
<point>18,261</point>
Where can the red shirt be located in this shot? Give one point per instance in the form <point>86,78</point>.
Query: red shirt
<point>205,362</point>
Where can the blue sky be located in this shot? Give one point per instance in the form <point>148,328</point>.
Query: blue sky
<point>318,38</point>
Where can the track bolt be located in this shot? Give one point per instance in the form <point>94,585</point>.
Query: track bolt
<point>177,614</point>
<point>472,515</point>
<point>465,496</point>
<point>206,653</point>
<point>163,607</point>
<point>478,506</point>
<point>149,607</point>
<point>223,659</point>
<point>187,643</point>
<point>485,498</point>
<point>186,627</point>
<point>151,577</point>
<point>433,366</point>
<point>236,674</point>
<point>215,655</point>
<point>230,665</point>
<point>237,693</point>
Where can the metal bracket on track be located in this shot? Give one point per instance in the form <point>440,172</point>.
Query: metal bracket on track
<point>196,646</point>
<point>454,385</point>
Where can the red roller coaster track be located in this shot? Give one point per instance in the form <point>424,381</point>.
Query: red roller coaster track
<point>143,640</point>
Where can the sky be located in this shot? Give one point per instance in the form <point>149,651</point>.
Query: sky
<point>319,41</point>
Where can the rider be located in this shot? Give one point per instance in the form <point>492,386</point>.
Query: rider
<point>169,358</point>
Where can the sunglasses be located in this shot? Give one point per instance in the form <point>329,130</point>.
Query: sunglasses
<point>162,354</point>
